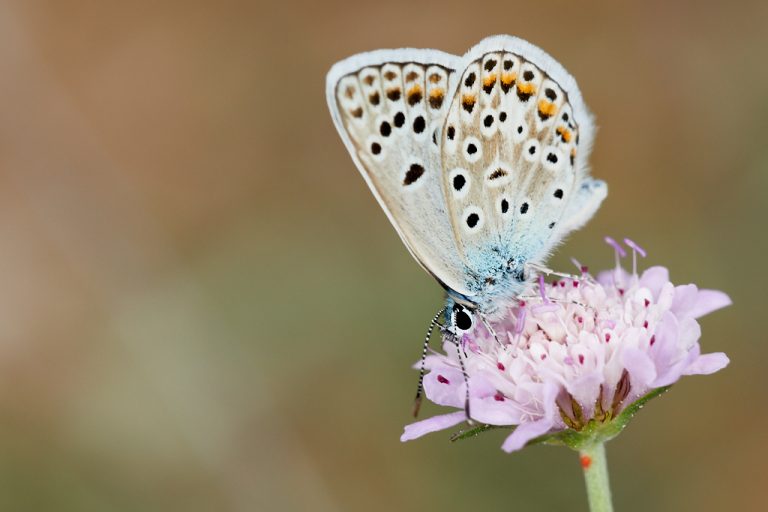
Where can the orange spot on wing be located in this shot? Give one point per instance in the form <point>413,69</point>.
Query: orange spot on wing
<point>564,133</point>
<point>414,94</point>
<point>436,97</point>
<point>489,80</point>
<point>436,93</point>
<point>526,88</point>
<point>547,108</point>
<point>416,89</point>
<point>468,102</point>
<point>508,78</point>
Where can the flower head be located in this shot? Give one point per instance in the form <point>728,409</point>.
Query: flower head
<point>573,354</point>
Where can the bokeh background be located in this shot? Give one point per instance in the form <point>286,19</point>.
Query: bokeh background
<point>203,308</point>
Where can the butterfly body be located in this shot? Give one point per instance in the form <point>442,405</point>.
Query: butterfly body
<point>480,161</point>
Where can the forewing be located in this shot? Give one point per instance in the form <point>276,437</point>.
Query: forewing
<point>511,152</point>
<point>389,107</point>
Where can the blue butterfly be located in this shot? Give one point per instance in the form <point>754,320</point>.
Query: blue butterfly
<point>480,161</point>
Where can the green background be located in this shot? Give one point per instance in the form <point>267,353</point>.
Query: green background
<point>203,308</point>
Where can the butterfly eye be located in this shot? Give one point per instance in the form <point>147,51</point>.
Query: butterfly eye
<point>461,319</point>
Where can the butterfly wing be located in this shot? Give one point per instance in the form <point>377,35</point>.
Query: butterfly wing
<point>514,154</point>
<point>583,205</point>
<point>389,107</point>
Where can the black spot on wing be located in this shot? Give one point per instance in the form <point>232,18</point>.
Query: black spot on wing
<point>414,172</point>
<point>419,124</point>
<point>498,173</point>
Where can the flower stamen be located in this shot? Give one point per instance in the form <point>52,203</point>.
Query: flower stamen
<point>636,249</point>
<point>542,289</point>
<point>619,253</point>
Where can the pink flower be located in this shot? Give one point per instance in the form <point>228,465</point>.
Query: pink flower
<point>573,354</point>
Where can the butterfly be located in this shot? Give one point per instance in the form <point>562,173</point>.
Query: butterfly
<point>479,161</point>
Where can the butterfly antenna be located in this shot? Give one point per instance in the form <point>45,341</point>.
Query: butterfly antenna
<point>420,388</point>
<point>466,380</point>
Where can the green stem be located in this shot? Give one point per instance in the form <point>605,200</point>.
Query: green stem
<point>596,477</point>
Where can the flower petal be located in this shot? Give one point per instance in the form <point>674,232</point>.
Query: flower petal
<point>707,364</point>
<point>684,300</point>
<point>654,278</point>
<point>708,301</point>
<point>525,432</point>
<point>420,428</point>
<point>586,388</point>
<point>690,332</point>
<point>445,386</point>
<point>665,348</point>
<point>494,411</point>
<point>641,369</point>
<point>615,277</point>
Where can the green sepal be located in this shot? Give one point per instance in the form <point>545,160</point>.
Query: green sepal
<point>475,431</point>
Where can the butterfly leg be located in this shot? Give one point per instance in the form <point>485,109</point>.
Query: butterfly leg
<point>541,268</point>
<point>420,388</point>
<point>490,330</point>
<point>552,299</point>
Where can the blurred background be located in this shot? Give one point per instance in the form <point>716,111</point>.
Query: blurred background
<point>203,308</point>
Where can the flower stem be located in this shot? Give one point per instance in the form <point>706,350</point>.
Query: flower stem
<point>596,477</point>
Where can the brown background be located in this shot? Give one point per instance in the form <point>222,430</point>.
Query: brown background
<point>203,308</point>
